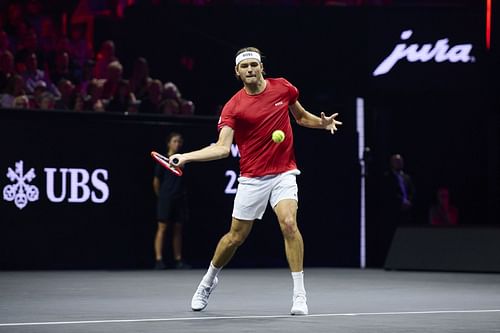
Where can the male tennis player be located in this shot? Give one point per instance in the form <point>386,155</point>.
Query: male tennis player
<point>268,169</point>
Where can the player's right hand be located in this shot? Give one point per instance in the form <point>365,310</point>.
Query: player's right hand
<point>177,160</point>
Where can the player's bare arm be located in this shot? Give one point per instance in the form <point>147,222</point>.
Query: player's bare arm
<point>307,119</point>
<point>218,151</point>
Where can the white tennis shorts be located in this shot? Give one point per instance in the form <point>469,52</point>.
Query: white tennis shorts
<point>253,194</point>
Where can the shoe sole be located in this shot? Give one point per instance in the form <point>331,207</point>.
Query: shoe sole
<point>299,313</point>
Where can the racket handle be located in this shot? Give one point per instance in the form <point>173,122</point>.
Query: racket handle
<point>175,160</point>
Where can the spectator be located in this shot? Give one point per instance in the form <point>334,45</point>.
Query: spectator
<point>93,100</point>
<point>21,102</point>
<point>7,63</point>
<point>67,99</point>
<point>172,99</point>
<point>105,57</point>
<point>187,108</point>
<point>79,103</point>
<point>399,189</point>
<point>170,107</point>
<point>140,80</point>
<point>6,68</point>
<point>46,101</point>
<point>397,195</point>
<point>171,91</point>
<point>443,213</point>
<point>87,76</point>
<point>32,75</point>
<point>39,90</point>
<point>173,103</point>
<point>123,100</point>
<point>80,49</point>
<point>113,77</point>
<point>152,102</point>
<point>14,88</point>
<point>62,68</point>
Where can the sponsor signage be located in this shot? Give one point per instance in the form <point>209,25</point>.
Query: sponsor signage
<point>413,51</point>
<point>74,185</point>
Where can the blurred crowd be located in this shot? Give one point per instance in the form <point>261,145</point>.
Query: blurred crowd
<point>43,67</point>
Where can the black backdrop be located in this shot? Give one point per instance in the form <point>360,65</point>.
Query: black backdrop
<point>119,233</point>
<point>442,116</point>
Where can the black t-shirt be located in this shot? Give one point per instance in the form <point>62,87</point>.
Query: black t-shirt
<point>171,186</point>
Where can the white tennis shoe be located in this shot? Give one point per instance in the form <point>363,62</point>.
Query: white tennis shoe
<point>200,297</point>
<point>299,306</point>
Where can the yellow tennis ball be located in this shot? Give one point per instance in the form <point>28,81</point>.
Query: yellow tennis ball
<point>278,136</point>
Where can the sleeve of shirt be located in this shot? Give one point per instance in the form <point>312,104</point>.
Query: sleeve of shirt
<point>227,116</point>
<point>293,92</point>
<point>158,171</point>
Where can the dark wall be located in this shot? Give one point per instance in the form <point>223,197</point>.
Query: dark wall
<point>119,232</point>
<point>440,114</point>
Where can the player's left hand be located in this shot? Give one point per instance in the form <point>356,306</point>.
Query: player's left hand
<point>329,123</point>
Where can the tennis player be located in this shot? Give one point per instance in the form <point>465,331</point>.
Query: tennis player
<point>268,170</point>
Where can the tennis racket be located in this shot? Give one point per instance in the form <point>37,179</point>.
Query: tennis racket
<point>165,162</point>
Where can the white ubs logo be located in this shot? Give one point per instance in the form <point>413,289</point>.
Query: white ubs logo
<point>278,103</point>
<point>440,52</point>
<point>76,185</point>
<point>20,191</point>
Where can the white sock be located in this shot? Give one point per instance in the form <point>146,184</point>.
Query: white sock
<point>209,277</point>
<point>298,283</point>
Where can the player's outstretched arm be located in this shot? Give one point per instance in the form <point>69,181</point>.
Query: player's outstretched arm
<point>214,152</point>
<point>307,119</point>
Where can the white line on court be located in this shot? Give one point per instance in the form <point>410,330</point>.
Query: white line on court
<point>115,321</point>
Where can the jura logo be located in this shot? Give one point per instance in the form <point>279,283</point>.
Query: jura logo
<point>72,185</point>
<point>439,52</point>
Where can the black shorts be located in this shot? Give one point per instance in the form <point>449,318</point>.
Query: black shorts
<point>172,209</point>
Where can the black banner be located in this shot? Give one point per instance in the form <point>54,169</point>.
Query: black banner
<point>77,193</point>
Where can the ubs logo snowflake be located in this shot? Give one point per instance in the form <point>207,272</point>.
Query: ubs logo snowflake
<point>20,192</point>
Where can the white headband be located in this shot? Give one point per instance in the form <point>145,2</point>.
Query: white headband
<point>247,55</point>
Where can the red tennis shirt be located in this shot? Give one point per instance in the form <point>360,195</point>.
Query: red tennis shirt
<point>254,118</point>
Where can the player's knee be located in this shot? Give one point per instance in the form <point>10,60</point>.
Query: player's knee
<point>289,226</point>
<point>236,239</point>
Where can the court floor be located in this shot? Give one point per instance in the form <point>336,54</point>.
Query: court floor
<point>257,300</point>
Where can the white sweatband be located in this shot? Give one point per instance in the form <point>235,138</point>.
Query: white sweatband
<point>247,55</point>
